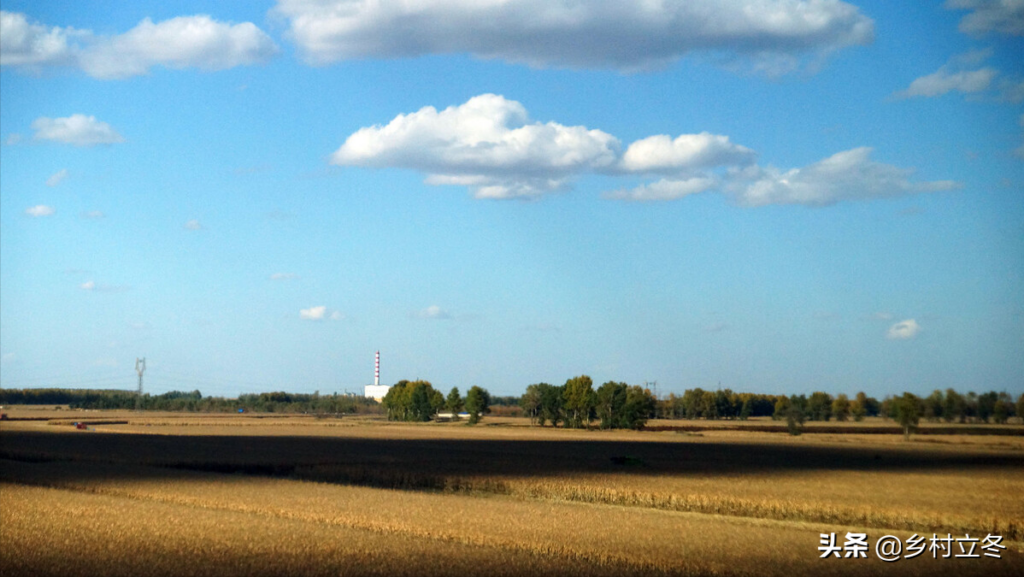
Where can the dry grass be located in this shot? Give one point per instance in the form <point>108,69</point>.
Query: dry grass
<point>167,514</point>
<point>59,532</point>
<point>726,502</point>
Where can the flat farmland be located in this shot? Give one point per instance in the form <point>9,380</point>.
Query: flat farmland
<point>236,494</point>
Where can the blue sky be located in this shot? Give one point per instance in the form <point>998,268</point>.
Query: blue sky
<point>781,196</point>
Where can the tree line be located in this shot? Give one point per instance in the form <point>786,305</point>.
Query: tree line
<point>419,401</point>
<point>576,404</point>
<point>194,401</point>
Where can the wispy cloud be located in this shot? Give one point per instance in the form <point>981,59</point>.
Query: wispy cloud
<point>433,312</point>
<point>39,210</point>
<point>313,313</point>
<point>848,175</point>
<point>1001,16</point>
<point>907,329</point>
<point>92,286</point>
<point>57,177</point>
<point>76,130</point>
<point>192,224</point>
<point>319,313</point>
<point>93,214</point>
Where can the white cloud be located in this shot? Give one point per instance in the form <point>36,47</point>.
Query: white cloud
<point>664,189</point>
<point>192,225</point>
<point>57,177</point>
<point>961,74</point>
<point>569,33</point>
<point>39,210</point>
<point>29,45</point>
<point>486,144</point>
<point>687,152</point>
<point>1011,91</point>
<point>848,175</point>
<point>94,214</point>
<point>944,81</point>
<point>907,329</point>
<point>320,313</point>
<point>283,276</point>
<point>882,316</point>
<point>13,139</point>
<point>183,42</point>
<point>313,313</point>
<point>1003,16</point>
<point>90,285</point>
<point>434,312</point>
<point>77,129</point>
<point>954,76</point>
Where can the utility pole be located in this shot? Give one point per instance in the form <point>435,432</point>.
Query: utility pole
<point>140,367</point>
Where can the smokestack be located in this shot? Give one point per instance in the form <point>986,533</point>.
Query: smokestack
<point>376,370</point>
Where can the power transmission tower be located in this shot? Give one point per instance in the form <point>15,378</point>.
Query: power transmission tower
<point>140,367</point>
<point>657,408</point>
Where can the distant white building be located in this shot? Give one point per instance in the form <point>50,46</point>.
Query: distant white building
<point>376,392</point>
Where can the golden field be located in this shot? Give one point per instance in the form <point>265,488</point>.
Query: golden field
<point>239,494</point>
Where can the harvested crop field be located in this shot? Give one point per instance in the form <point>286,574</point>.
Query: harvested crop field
<point>269,496</point>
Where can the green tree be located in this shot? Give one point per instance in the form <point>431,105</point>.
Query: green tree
<point>908,412</point>
<point>819,406</point>
<point>454,401</point>
<point>794,419</point>
<point>478,403</point>
<point>1020,408</point>
<point>841,407</point>
<point>781,407</point>
<point>551,404</point>
<point>610,401</point>
<point>578,401</point>
<point>954,407</point>
<point>1001,412</point>
<point>639,407</point>
<point>723,404</point>
<point>708,406</point>
<point>531,402</point>
<point>747,408</point>
<point>986,405</point>
<point>933,406</point>
<point>421,401</point>
<point>691,401</point>
<point>859,407</point>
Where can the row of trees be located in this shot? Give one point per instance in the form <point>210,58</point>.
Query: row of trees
<point>576,404</point>
<point>419,401</point>
<point>194,401</point>
<point>948,406</point>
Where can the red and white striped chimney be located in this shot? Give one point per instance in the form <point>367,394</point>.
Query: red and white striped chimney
<point>376,370</point>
